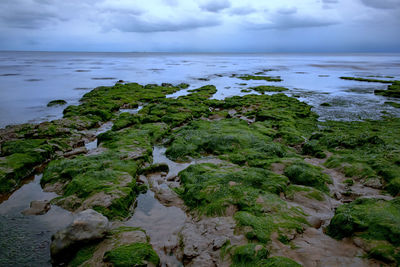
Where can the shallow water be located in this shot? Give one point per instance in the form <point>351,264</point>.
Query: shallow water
<point>25,239</point>
<point>160,222</point>
<point>29,80</point>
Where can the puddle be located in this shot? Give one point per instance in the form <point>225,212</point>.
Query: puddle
<point>102,129</point>
<point>25,239</point>
<point>175,167</point>
<point>131,111</point>
<point>161,223</point>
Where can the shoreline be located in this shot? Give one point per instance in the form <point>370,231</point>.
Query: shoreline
<point>268,153</point>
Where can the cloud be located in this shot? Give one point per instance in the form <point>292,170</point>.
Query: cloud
<point>284,21</point>
<point>20,14</point>
<point>131,23</point>
<point>330,1</point>
<point>382,4</point>
<point>240,11</point>
<point>215,6</point>
<point>287,10</point>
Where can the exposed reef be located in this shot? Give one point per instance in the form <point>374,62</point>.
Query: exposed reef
<point>258,179</point>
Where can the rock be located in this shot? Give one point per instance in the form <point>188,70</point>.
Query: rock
<point>219,242</point>
<point>87,226</point>
<point>232,183</point>
<point>80,150</point>
<point>373,182</point>
<point>38,207</point>
<point>315,221</point>
<point>337,195</point>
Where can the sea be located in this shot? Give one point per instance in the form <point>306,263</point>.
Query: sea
<point>29,80</point>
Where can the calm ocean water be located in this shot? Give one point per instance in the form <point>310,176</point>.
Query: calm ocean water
<point>29,80</point>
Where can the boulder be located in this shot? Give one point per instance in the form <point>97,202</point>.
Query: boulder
<point>38,207</point>
<point>88,226</point>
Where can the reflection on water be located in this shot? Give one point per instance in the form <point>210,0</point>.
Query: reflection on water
<point>25,239</point>
<point>303,73</point>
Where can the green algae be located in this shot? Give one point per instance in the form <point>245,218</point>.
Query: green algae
<point>365,80</point>
<point>100,103</point>
<point>257,77</point>
<point>83,255</point>
<point>248,255</point>
<point>266,88</point>
<point>310,192</point>
<point>136,254</point>
<point>393,104</point>
<point>372,220</point>
<point>58,102</point>
<point>305,174</point>
<point>232,139</point>
<point>85,176</point>
<point>278,261</point>
<point>176,112</point>
<point>363,150</point>
<point>325,104</point>
<point>125,120</point>
<point>393,90</point>
<point>212,190</point>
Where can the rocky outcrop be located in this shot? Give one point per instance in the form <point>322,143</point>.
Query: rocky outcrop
<point>38,207</point>
<point>87,226</point>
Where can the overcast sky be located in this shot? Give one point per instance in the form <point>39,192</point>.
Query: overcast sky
<point>201,25</point>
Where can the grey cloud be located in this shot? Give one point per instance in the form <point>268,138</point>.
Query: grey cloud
<point>283,22</point>
<point>215,6</point>
<point>287,10</point>
<point>137,24</point>
<point>18,14</point>
<point>330,1</point>
<point>242,11</point>
<point>171,2</point>
<point>383,4</point>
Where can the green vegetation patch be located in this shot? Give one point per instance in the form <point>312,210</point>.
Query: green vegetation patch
<point>175,112</point>
<point>266,88</point>
<point>135,142</point>
<point>393,104</point>
<point>136,254</point>
<point>372,220</point>
<point>362,150</point>
<point>58,102</point>
<point>100,103</point>
<point>278,261</point>
<point>265,78</point>
<point>249,255</point>
<point>309,175</point>
<point>84,176</point>
<point>393,90</point>
<point>83,255</point>
<point>213,189</point>
<point>365,80</point>
<point>233,139</point>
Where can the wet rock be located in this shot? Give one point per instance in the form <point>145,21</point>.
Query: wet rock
<point>219,242</point>
<point>373,182</point>
<point>315,221</point>
<point>38,207</point>
<point>201,241</point>
<point>80,150</point>
<point>138,153</point>
<point>314,248</point>
<point>169,198</point>
<point>87,226</point>
<point>337,195</point>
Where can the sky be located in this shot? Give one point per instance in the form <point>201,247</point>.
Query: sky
<point>200,25</point>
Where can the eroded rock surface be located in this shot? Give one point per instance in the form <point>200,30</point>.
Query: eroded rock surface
<point>87,226</point>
